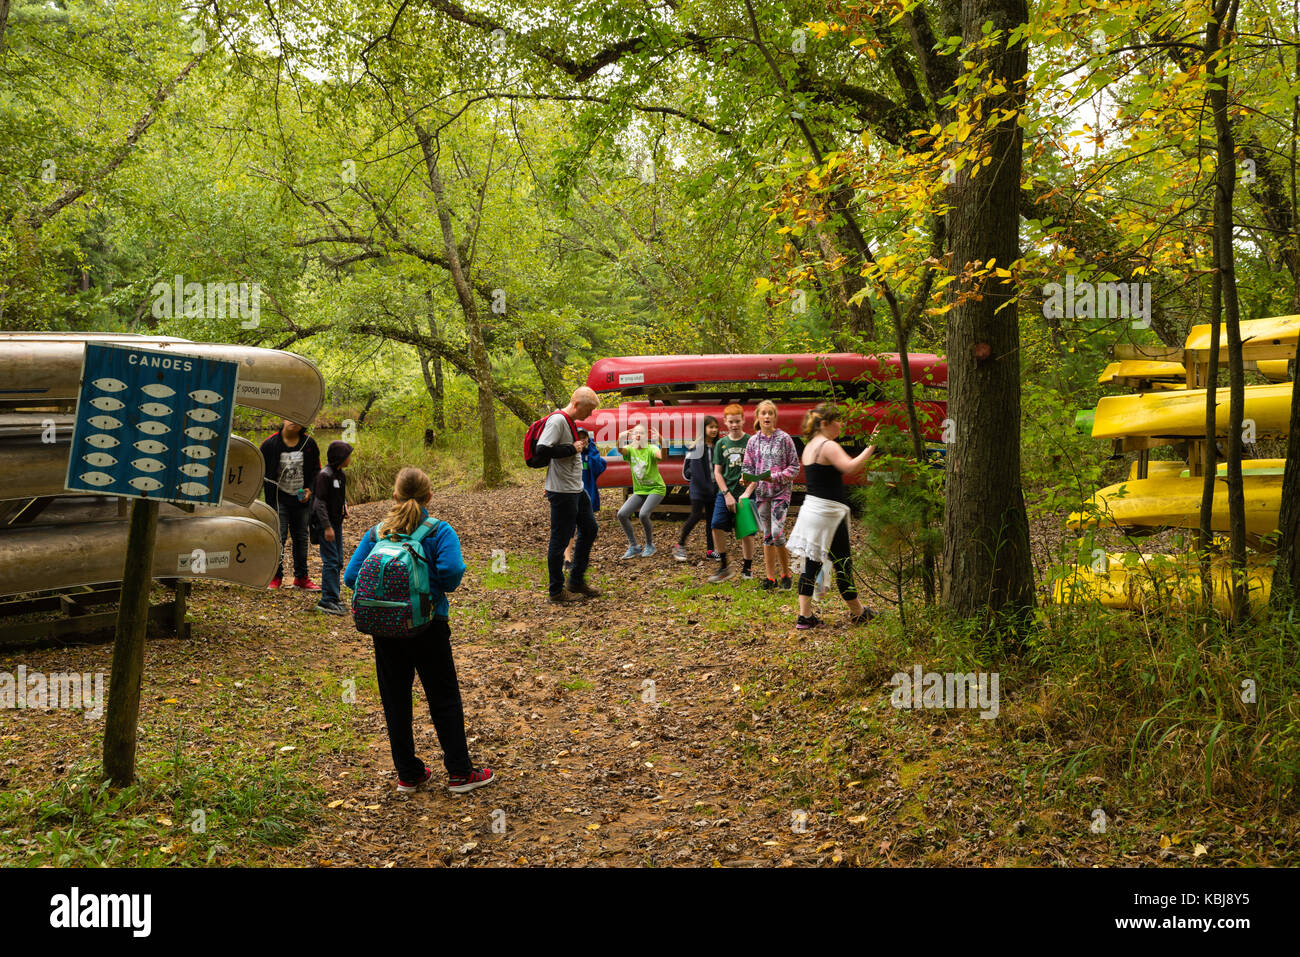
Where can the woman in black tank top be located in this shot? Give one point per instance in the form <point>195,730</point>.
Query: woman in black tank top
<point>825,464</point>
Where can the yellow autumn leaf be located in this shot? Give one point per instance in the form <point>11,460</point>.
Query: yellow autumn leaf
<point>1164,841</point>
<point>1198,850</point>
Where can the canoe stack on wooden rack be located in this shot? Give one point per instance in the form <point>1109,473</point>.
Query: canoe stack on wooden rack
<point>63,551</point>
<point>1168,409</point>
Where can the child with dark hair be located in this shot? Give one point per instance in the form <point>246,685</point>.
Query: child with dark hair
<point>697,469</point>
<point>593,463</point>
<point>292,459</point>
<point>329,507</point>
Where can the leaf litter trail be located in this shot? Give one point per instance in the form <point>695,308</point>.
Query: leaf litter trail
<point>762,746</point>
<point>625,730</point>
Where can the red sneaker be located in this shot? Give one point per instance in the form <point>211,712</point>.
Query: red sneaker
<point>276,582</point>
<point>406,787</point>
<point>306,584</point>
<point>460,783</point>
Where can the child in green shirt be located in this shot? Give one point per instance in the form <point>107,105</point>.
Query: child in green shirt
<point>648,487</point>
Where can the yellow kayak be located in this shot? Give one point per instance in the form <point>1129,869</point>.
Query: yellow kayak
<point>1142,369</point>
<point>1159,581</point>
<point>1277,330</point>
<point>1169,501</point>
<point>1275,370</point>
<point>1183,412</point>
<point>1157,469</point>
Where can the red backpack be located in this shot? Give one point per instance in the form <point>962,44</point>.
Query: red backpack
<point>535,432</point>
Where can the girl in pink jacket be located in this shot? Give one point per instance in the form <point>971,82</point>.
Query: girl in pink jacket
<point>771,451</point>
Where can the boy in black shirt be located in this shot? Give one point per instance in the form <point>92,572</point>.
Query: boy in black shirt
<point>330,506</point>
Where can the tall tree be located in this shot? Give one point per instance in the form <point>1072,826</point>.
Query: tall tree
<point>986,560</point>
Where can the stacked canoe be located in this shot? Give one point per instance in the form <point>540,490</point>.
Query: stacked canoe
<point>51,538</point>
<point>1168,409</point>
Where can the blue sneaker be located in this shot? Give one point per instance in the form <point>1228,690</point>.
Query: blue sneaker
<point>633,551</point>
<point>647,551</point>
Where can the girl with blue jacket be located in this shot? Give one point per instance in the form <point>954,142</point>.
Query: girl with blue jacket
<point>428,651</point>
<point>593,463</point>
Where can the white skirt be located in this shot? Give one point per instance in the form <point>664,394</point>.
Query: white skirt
<point>815,526</point>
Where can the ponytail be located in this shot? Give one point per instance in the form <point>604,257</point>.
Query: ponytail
<point>410,491</point>
<point>825,413</point>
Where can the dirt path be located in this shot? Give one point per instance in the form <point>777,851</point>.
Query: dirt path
<point>669,722</point>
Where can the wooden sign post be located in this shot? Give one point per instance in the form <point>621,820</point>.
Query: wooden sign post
<point>123,714</point>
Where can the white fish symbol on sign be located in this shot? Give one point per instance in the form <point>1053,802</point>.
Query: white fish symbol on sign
<point>150,447</point>
<point>155,408</point>
<point>108,384</point>
<point>197,452</point>
<point>199,433</point>
<point>105,403</point>
<point>195,471</point>
<point>156,390</point>
<point>206,396</point>
<point>154,428</point>
<point>193,489</point>
<point>145,484</point>
<point>203,415</point>
<point>101,441</point>
<point>106,422</point>
<point>98,479</point>
<point>147,465</point>
<point>101,460</point>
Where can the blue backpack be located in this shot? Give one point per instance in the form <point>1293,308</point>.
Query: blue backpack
<point>393,598</point>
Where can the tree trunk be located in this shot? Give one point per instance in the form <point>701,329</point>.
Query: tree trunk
<point>435,362</point>
<point>492,473</point>
<point>547,371</point>
<point>1225,15</point>
<point>986,560</point>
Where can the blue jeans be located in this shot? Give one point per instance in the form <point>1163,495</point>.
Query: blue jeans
<point>331,559</point>
<point>294,519</point>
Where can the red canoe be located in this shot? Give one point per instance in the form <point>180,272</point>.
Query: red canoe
<point>637,373</point>
<point>680,424</point>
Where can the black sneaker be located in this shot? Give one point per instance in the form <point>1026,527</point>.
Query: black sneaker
<point>746,573</point>
<point>786,583</point>
<point>769,584</point>
<point>803,624</point>
<point>863,617</point>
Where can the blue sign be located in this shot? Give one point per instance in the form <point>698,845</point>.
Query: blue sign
<point>152,424</point>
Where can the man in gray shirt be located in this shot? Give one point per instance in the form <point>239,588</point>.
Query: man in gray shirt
<point>570,506</point>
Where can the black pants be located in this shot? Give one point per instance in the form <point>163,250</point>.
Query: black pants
<point>294,518</point>
<point>396,662</point>
<point>569,510</point>
<point>701,510</point>
<point>841,557</point>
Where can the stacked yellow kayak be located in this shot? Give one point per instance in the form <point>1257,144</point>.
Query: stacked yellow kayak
<point>1167,410</point>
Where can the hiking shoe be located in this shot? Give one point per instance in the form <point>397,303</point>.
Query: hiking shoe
<point>406,787</point>
<point>647,551</point>
<point>861,619</point>
<point>306,584</point>
<point>803,624</point>
<point>460,783</point>
<point>562,596</point>
<point>583,589</point>
<point>331,608</point>
<point>747,573</point>
<point>276,582</point>
<point>679,553</point>
<point>786,583</point>
<point>725,573</point>
<point>633,551</point>
<point>712,556</point>
<point>568,566</point>
<point>769,584</point>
